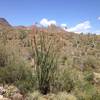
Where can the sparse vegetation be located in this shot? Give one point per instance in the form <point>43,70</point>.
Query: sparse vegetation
<point>56,66</point>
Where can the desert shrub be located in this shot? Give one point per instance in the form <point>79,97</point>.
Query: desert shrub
<point>96,96</point>
<point>23,34</point>
<point>64,96</point>
<point>46,57</point>
<point>4,56</point>
<point>19,75</point>
<point>12,72</point>
<point>64,58</point>
<point>89,97</point>
<point>27,85</point>
<point>59,96</point>
<point>63,81</point>
<point>88,76</point>
<point>26,43</point>
<point>67,81</point>
<point>16,71</point>
<point>3,37</point>
<point>87,92</point>
<point>34,96</point>
<point>91,63</point>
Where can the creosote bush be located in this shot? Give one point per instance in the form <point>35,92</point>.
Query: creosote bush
<point>3,56</point>
<point>14,70</point>
<point>23,34</point>
<point>64,81</point>
<point>88,76</point>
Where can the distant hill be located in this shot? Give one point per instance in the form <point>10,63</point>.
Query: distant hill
<point>4,23</point>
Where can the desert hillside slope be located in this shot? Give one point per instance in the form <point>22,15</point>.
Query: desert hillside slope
<point>48,64</point>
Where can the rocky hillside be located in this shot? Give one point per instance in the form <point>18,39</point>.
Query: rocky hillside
<point>4,23</point>
<point>48,64</point>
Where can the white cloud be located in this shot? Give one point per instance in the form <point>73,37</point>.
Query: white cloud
<point>46,22</point>
<point>63,25</point>
<point>98,18</point>
<point>82,27</point>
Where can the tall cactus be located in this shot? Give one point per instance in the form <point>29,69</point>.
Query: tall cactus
<point>45,52</point>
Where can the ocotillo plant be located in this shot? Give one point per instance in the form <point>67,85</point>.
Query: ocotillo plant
<point>46,57</point>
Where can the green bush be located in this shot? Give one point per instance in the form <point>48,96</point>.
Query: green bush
<point>89,97</point>
<point>63,82</point>
<point>88,76</point>
<point>14,70</point>
<point>27,85</point>
<point>19,75</point>
<point>46,57</point>
<point>87,92</point>
<point>23,34</point>
<point>3,56</point>
<point>68,82</point>
<point>91,63</point>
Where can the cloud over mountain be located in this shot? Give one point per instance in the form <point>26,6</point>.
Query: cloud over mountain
<point>81,27</point>
<point>46,22</point>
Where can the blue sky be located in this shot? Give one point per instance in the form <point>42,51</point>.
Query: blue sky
<point>74,13</point>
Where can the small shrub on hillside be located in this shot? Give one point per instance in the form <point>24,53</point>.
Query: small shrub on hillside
<point>23,34</point>
<point>88,76</point>
<point>89,97</point>
<point>15,71</point>
<point>67,81</point>
<point>91,63</point>
<point>3,56</point>
<point>64,60</point>
<point>27,85</point>
<point>87,92</point>
<point>63,82</point>
<point>12,72</point>
<point>19,75</point>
